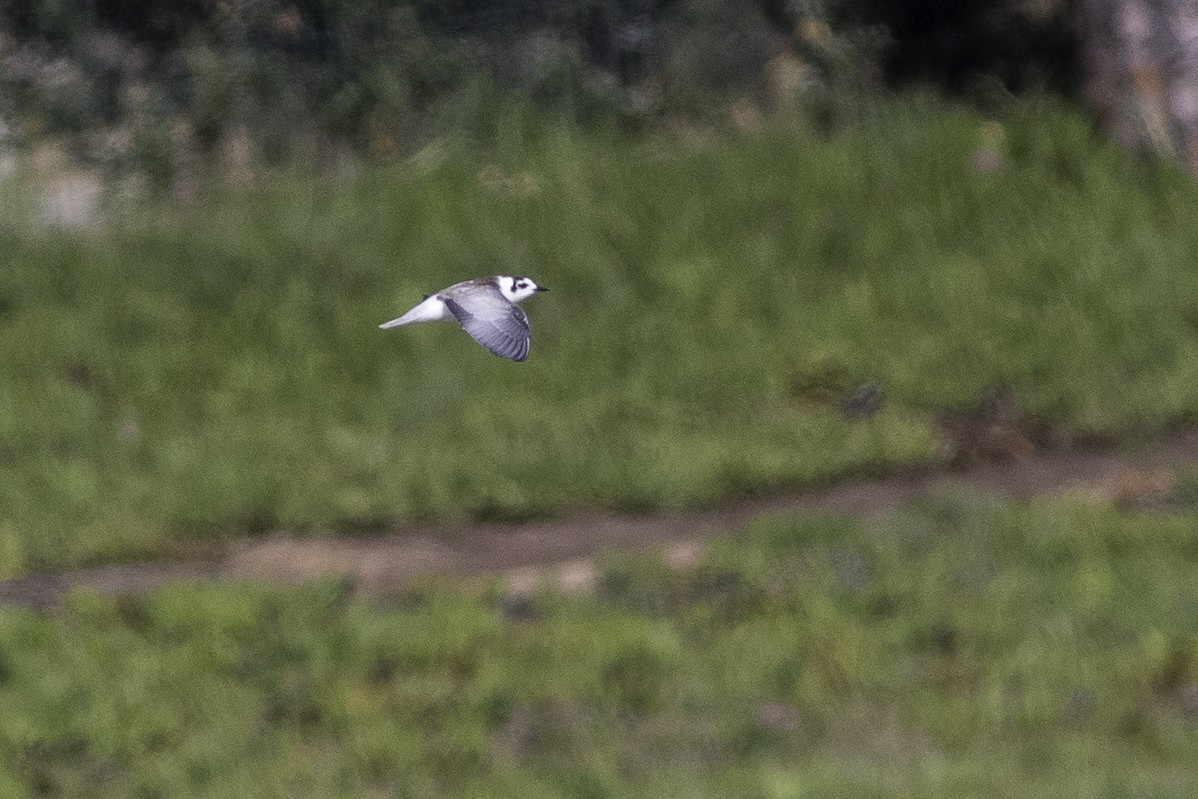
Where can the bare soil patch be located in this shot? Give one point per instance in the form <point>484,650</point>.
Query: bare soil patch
<point>561,549</point>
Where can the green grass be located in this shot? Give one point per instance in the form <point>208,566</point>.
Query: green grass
<point>183,375</point>
<point>958,648</point>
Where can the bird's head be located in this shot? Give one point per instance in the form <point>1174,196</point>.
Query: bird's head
<point>518,288</point>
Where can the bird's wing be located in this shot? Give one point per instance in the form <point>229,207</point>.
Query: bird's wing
<point>493,321</point>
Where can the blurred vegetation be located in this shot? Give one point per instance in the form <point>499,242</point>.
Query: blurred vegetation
<point>720,307</point>
<point>958,648</point>
<point>167,89</point>
<point>173,90</point>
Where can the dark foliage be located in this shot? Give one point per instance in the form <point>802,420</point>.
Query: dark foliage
<point>957,44</point>
<point>154,83</point>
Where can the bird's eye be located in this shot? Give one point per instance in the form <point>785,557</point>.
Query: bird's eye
<point>521,285</point>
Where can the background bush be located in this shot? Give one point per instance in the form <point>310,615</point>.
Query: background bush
<point>155,85</point>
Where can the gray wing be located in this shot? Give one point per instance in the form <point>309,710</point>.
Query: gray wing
<point>493,321</point>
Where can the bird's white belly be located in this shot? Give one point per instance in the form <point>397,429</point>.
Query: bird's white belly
<point>433,309</point>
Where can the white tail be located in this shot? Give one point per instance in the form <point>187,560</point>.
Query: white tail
<point>402,320</point>
<point>431,310</point>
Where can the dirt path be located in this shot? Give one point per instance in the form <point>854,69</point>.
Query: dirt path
<point>561,549</point>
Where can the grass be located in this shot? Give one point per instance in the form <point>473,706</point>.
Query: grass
<point>182,375</point>
<point>959,647</point>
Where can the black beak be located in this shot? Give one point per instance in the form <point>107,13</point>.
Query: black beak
<point>541,288</point>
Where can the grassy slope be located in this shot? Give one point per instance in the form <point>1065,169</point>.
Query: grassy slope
<point>188,376</point>
<point>959,649</point>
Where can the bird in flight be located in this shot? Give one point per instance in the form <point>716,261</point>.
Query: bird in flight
<point>485,308</point>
